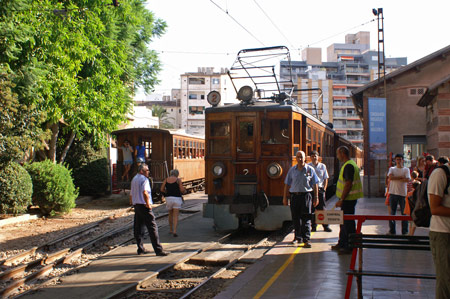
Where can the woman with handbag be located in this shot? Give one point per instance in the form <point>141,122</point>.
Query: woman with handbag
<point>173,189</point>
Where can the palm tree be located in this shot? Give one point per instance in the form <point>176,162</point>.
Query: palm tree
<point>163,115</point>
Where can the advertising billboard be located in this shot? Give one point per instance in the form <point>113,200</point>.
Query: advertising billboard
<point>377,129</point>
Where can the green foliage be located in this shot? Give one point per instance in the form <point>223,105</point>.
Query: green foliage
<point>19,123</point>
<point>89,167</point>
<point>79,61</point>
<point>15,188</point>
<point>163,115</point>
<point>53,188</point>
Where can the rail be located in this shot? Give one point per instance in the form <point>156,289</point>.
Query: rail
<point>360,241</point>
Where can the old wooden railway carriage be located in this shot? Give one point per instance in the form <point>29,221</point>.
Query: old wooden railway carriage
<point>165,150</point>
<point>250,148</point>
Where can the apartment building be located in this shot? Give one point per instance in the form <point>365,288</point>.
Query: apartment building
<point>195,87</point>
<point>349,66</point>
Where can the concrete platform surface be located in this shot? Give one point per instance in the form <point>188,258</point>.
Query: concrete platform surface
<point>122,267</point>
<point>291,271</point>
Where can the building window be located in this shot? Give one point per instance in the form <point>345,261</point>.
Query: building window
<point>192,96</point>
<point>179,110</point>
<point>215,81</point>
<point>202,96</point>
<point>196,80</point>
<point>196,110</point>
<point>171,110</point>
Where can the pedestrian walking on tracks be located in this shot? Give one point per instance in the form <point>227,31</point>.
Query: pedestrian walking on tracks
<point>439,198</point>
<point>398,188</point>
<point>301,181</point>
<point>348,190</point>
<point>141,199</point>
<point>173,189</point>
<point>322,175</point>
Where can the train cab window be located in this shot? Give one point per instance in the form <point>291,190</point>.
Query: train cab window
<point>297,132</point>
<point>219,141</point>
<point>275,131</point>
<point>246,137</point>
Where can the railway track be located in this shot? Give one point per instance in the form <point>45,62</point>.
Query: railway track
<point>204,269</point>
<point>35,267</point>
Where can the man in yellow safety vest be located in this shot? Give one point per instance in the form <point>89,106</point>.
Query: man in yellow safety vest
<point>348,190</point>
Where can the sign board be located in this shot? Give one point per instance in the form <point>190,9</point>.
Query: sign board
<point>377,129</point>
<point>329,216</point>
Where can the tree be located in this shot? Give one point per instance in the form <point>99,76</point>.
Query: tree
<point>87,57</point>
<point>163,115</point>
<point>19,129</point>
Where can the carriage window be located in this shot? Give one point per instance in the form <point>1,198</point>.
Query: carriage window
<point>219,141</point>
<point>308,135</point>
<point>275,131</point>
<point>220,129</point>
<point>297,132</point>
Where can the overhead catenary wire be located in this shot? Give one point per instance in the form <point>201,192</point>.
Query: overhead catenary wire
<point>228,14</point>
<point>342,32</point>
<point>274,25</point>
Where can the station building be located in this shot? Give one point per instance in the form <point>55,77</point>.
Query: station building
<point>417,114</point>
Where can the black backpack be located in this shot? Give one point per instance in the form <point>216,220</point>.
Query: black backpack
<point>421,214</point>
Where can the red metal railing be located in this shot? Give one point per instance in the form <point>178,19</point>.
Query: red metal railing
<point>360,220</point>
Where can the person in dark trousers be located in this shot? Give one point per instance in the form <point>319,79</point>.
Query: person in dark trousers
<point>322,175</point>
<point>141,199</point>
<point>301,181</point>
<point>348,190</point>
<point>439,199</point>
<point>173,189</point>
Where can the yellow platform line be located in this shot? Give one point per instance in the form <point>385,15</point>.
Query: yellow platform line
<point>278,273</point>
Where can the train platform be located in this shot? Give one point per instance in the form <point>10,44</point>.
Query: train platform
<point>291,271</point>
<point>122,269</point>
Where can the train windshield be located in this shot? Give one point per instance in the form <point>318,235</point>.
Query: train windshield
<point>219,141</point>
<point>275,131</point>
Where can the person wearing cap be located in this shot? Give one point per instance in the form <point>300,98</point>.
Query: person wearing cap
<point>301,182</point>
<point>442,160</point>
<point>322,174</point>
<point>399,177</point>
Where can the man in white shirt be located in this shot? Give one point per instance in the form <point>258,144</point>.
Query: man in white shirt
<point>322,174</point>
<point>399,177</point>
<point>439,199</point>
<point>141,199</point>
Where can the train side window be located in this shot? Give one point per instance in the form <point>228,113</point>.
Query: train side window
<point>219,139</point>
<point>297,132</point>
<point>274,131</point>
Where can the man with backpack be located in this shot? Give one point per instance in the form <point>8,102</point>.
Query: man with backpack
<point>399,177</point>
<point>439,199</point>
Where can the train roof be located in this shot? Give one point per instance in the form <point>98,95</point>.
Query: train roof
<point>265,106</point>
<point>166,131</point>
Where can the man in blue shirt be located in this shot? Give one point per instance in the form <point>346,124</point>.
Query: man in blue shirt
<point>141,199</point>
<point>301,180</point>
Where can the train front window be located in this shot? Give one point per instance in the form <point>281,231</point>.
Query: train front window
<point>220,129</point>
<point>275,131</point>
<point>219,141</point>
<point>246,137</point>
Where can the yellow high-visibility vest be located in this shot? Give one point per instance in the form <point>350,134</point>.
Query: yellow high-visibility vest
<point>356,190</point>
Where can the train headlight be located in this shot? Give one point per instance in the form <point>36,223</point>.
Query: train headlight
<point>218,169</point>
<point>274,170</point>
<point>245,94</point>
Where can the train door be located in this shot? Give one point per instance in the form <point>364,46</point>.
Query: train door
<point>246,142</point>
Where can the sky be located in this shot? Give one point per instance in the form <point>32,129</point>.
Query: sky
<point>201,34</point>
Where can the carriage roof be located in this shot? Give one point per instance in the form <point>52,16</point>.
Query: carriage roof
<point>155,130</point>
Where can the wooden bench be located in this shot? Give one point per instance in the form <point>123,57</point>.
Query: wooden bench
<point>360,241</point>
